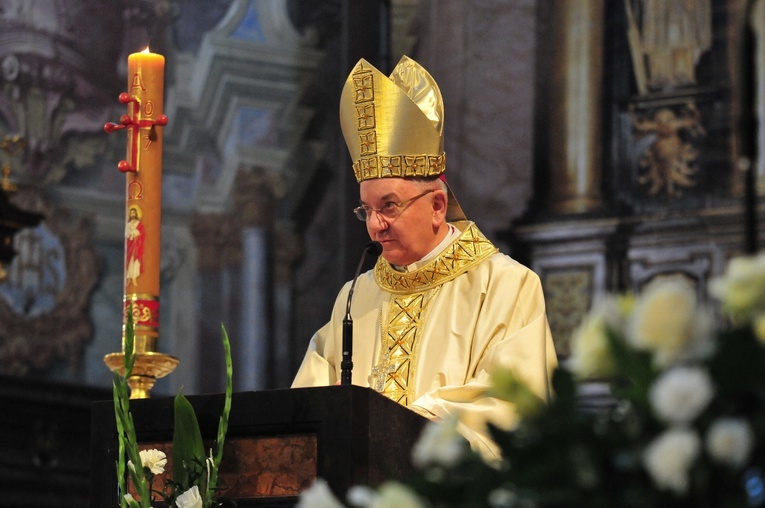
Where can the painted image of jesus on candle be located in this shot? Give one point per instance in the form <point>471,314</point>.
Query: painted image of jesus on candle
<point>135,236</point>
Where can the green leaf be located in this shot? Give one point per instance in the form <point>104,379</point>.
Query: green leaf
<point>187,441</point>
<point>636,371</point>
<point>121,462</point>
<point>223,423</point>
<point>129,343</point>
<point>128,445</point>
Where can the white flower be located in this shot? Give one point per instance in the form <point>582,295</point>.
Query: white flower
<point>396,495</point>
<point>680,394</point>
<point>667,322</point>
<point>318,495</point>
<point>190,499</point>
<point>759,327</point>
<point>502,498</point>
<point>390,495</point>
<point>591,355</point>
<point>668,459</point>
<point>590,351</point>
<point>730,441</point>
<point>440,444</point>
<point>741,290</point>
<point>153,459</point>
<point>361,495</point>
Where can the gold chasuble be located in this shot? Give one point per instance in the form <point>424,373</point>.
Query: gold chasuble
<point>428,338</point>
<point>411,294</point>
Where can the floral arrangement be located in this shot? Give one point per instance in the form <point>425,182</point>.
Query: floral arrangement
<point>195,473</point>
<point>684,426</point>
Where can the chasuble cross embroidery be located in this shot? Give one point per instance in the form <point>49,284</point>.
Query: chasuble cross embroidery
<point>411,294</point>
<point>395,372</point>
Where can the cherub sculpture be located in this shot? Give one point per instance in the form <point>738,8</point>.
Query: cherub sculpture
<point>669,163</point>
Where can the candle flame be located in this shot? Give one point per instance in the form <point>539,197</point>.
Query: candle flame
<point>146,50</point>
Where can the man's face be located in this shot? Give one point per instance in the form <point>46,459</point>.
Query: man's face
<point>413,233</point>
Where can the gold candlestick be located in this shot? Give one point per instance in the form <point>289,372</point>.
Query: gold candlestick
<point>149,366</point>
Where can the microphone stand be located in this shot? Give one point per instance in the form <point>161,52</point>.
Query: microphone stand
<point>748,127</point>
<point>346,365</point>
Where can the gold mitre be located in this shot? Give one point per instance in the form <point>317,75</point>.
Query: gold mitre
<point>393,126</point>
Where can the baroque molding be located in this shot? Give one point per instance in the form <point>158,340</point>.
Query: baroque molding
<point>256,196</point>
<point>218,241</point>
<point>55,91</point>
<point>44,301</point>
<point>255,199</point>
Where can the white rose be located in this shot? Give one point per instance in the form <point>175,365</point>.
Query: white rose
<point>361,495</point>
<point>318,495</point>
<point>154,460</point>
<point>502,498</point>
<point>591,355</point>
<point>741,290</point>
<point>396,495</point>
<point>440,444</point>
<point>759,327</point>
<point>190,499</point>
<point>668,459</point>
<point>590,352</point>
<point>667,322</point>
<point>730,441</point>
<point>680,394</point>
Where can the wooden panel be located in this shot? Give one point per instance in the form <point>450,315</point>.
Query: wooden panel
<point>278,441</point>
<point>256,467</point>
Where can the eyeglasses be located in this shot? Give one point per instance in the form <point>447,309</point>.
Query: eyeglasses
<point>389,210</point>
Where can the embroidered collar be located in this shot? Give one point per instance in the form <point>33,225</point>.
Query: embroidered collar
<point>469,249</point>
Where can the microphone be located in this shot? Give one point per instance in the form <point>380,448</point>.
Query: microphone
<point>346,366</point>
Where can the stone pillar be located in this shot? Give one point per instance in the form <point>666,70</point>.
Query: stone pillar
<point>575,106</point>
<point>758,26</point>
<point>255,198</point>
<point>288,348</point>
<point>255,333</point>
<point>218,243</point>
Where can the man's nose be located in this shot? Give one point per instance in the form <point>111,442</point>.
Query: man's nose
<point>376,222</point>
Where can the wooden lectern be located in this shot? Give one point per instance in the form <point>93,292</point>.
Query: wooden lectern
<point>278,441</point>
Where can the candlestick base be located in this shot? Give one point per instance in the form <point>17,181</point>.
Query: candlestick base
<point>148,367</point>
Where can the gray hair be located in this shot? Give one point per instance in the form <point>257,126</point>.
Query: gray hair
<point>430,183</point>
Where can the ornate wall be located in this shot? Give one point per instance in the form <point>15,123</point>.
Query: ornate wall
<point>555,138</point>
<point>235,75</point>
<point>638,169</point>
<point>558,147</point>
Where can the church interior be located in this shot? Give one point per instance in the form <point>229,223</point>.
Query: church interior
<point>604,144</point>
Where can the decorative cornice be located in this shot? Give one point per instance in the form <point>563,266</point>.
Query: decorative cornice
<point>256,196</point>
<point>218,240</point>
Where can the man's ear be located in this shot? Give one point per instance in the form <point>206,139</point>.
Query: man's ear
<point>439,207</point>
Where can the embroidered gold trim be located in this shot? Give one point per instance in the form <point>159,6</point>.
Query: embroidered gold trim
<point>411,294</point>
<point>394,166</point>
<point>467,251</point>
<point>396,369</point>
